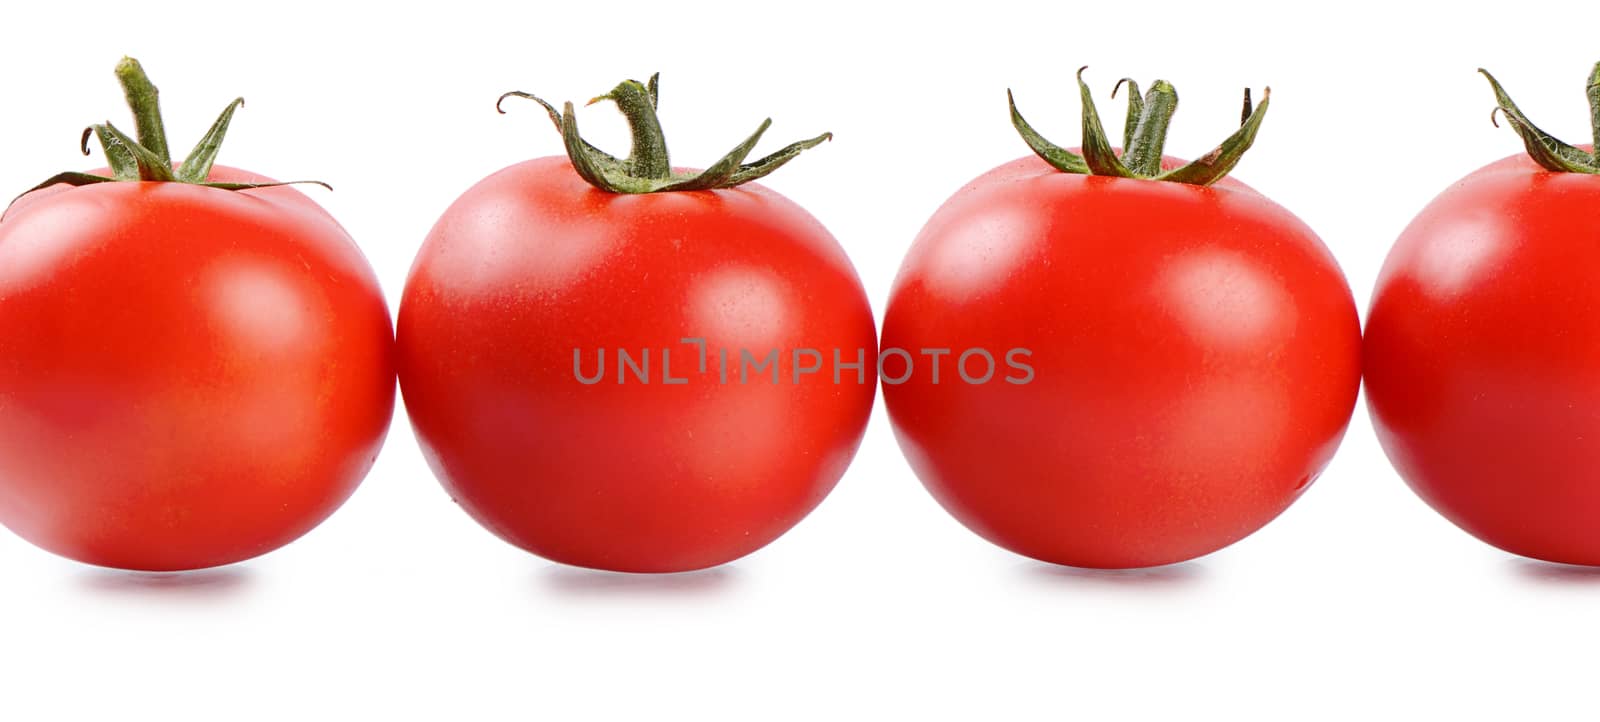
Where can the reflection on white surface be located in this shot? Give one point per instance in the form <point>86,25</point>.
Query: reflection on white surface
<point>1555,574</point>
<point>201,584</point>
<point>1186,575</point>
<point>581,583</point>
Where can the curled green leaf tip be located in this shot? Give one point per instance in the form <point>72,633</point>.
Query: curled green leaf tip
<point>1548,151</point>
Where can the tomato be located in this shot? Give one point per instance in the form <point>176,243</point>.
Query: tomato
<point>1482,360</point>
<point>510,331</point>
<point>189,376</point>
<point>1192,357</point>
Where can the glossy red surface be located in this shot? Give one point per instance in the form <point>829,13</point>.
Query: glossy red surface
<point>531,265</point>
<point>188,376</point>
<point>1195,356</point>
<point>1482,359</point>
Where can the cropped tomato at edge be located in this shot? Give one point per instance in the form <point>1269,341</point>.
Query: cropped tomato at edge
<point>1482,358</point>
<point>189,376</point>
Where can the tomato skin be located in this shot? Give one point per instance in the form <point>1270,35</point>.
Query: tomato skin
<point>531,264</point>
<point>189,377</point>
<point>1195,355</point>
<point>1482,362</point>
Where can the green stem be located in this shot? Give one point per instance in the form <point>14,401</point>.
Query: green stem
<point>648,169</point>
<point>197,166</point>
<point>649,157</point>
<point>148,158</point>
<point>1142,154</point>
<point>1594,112</point>
<point>1144,138</point>
<point>1213,166</point>
<point>148,167</point>
<point>1058,157</point>
<point>144,101</point>
<point>1097,150</point>
<point>1130,122</point>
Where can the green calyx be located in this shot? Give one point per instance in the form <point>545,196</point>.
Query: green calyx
<point>1545,149</point>
<point>1144,136</point>
<point>148,157</point>
<point>648,169</point>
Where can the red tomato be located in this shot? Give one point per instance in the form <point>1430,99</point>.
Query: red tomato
<point>1483,364</point>
<point>191,376</point>
<point>533,265</point>
<point>1194,356</point>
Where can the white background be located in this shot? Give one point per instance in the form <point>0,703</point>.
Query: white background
<point>1358,601</point>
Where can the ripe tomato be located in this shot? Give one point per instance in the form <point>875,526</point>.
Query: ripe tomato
<point>1482,360</point>
<point>1194,353</point>
<point>534,273</point>
<point>189,376</point>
